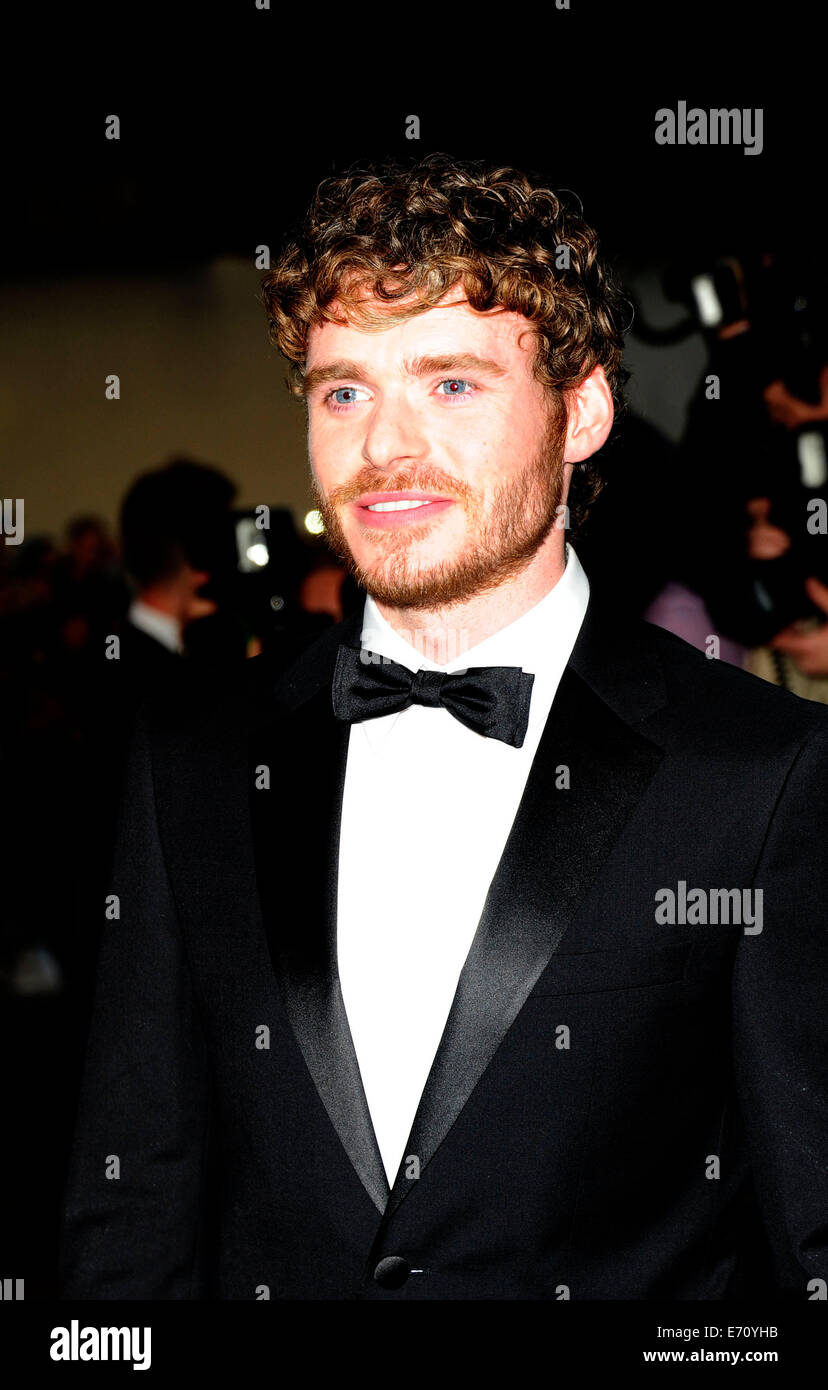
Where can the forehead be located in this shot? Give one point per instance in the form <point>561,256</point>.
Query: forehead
<point>451,325</point>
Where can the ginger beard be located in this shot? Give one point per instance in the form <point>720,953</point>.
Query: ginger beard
<point>501,542</point>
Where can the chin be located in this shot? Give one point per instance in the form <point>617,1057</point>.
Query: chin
<point>415,571</point>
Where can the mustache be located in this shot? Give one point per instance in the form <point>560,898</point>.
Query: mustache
<point>407,480</point>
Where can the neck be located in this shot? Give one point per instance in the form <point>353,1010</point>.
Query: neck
<point>443,633</point>
<point>163,601</point>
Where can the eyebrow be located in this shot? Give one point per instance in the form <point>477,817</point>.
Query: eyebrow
<point>416,367</point>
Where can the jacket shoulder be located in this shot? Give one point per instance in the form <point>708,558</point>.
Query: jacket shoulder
<point>711,692</point>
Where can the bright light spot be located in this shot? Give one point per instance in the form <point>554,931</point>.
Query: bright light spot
<point>257,554</point>
<point>314,523</point>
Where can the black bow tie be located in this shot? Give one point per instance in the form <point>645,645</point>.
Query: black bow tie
<point>492,700</point>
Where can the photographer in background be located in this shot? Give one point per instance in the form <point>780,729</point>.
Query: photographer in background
<point>758,429</point>
<point>796,657</point>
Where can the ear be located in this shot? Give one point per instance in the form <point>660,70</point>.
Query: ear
<point>590,413</point>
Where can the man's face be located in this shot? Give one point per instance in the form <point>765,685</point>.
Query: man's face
<point>465,452</point>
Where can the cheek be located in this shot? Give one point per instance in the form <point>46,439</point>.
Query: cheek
<point>489,446</point>
<point>325,460</point>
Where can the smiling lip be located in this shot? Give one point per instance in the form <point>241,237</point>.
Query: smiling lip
<point>399,516</point>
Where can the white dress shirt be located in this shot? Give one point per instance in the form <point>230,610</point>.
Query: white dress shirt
<point>162,626</point>
<point>427,808</point>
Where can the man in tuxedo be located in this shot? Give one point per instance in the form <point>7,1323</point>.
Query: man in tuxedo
<point>480,954</point>
<point>173,527</point>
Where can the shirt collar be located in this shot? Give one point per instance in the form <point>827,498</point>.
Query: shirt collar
<point>162,626</point>
<point>540,641</point>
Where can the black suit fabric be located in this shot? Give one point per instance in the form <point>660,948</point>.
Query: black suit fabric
<point>620,1107</point>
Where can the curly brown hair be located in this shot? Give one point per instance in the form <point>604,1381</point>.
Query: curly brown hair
<point>394,231</point>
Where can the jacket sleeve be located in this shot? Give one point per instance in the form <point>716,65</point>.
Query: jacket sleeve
<point>781,1027</point>
<point>134,1194</point>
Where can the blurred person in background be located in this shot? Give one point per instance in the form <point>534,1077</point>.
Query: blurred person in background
<point>329,589</point>
<point>659,579</point>
<point>797,656</point>
<point>36,752</point>
<point>175,533</point>
<point>90,593</point>
<point>175,530</point>
<point>754,457</point>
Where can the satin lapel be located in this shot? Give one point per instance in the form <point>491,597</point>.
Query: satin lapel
<point>296,840</point>
<point>559,841</point>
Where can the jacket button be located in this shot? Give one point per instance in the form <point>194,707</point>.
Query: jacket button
<point>392,1272</point>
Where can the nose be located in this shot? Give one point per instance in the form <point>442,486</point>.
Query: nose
<point>394,434</point>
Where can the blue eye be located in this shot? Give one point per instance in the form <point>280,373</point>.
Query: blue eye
<point>454,383</point>
<point>334,398</point>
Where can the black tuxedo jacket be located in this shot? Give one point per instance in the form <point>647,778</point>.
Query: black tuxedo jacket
<point>620,1107</point>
